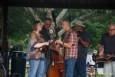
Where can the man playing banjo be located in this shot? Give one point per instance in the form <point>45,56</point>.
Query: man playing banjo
<point>107,47</point>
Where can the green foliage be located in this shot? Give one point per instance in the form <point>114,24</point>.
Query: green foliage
<point>20,22</point>
<point>1,18</point>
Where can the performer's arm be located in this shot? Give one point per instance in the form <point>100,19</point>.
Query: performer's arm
<point>68,44</point>
<point>101,50</point>
<point>101,47</point>
<point>39,45</point>
<point>34,40</point>
<point>85,43</point>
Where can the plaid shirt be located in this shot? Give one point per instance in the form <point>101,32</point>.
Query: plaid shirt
<point>72,52</point>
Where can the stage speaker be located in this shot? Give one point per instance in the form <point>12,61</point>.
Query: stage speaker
<point>18,64</point>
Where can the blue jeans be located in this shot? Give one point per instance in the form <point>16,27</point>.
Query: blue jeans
<point>37,68</point>
<point>80,68</point>
<point>69,67</point>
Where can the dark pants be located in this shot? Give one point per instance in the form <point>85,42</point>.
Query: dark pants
<point>80,68</point>
<point>48,60</point>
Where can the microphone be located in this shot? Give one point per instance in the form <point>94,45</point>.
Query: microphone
<point>52,33</point>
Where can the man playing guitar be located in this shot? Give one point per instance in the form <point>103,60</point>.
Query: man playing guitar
<point>107,51</point>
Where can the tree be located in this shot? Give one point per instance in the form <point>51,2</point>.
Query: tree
<point>20,21</point>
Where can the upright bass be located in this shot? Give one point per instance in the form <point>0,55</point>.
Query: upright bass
<point>57,67</point>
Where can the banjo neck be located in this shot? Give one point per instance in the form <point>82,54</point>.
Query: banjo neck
<point>104,58</point>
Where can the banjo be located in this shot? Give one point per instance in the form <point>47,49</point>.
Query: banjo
<point>104,58</point>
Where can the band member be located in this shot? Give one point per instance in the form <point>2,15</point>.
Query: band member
<point>47,36</point>
<point>107,47</point>
<point>36,56</point>
<point>83,44</point>
<point>70,44</point>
